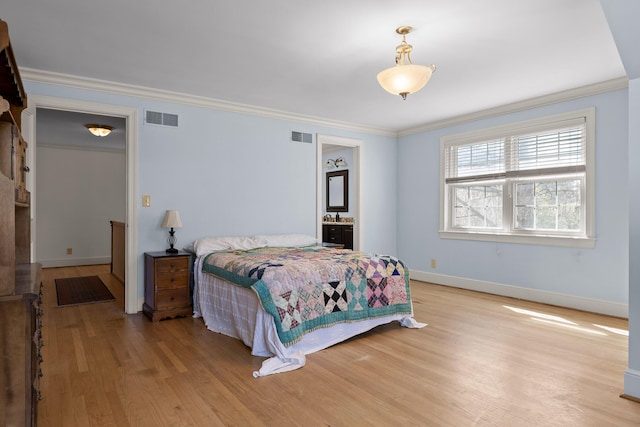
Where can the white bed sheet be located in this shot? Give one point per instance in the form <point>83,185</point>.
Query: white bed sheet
<point>236,311</point>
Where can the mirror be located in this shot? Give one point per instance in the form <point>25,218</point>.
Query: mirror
<point>338,191</point>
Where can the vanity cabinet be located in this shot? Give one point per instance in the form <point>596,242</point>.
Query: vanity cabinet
<point>338,233</point>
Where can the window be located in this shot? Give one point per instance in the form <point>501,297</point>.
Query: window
<point>530,182</point>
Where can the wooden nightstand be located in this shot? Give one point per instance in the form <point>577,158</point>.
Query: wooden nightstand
<point>167,290</point>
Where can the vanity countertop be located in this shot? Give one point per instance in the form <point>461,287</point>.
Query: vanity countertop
<point>336,223</point>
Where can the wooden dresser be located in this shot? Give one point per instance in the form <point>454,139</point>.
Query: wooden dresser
<point>20,286</point>
<point>21,343</point>
<point>167,285</point>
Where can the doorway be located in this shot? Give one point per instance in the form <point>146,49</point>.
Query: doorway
<point>130,115</point>
<point>324,142</point>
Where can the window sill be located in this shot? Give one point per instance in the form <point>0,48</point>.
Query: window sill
<point>571,242</point>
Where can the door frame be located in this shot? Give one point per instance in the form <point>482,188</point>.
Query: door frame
<point>356,146</point>
<point>131,116</point>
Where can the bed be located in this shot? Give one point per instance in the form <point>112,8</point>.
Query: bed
<point>286,296</point>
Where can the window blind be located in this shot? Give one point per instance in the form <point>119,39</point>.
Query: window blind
<point>544,151</point>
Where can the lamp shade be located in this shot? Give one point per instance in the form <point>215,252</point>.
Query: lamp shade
<point>405,79</point>
<point>172,219</point>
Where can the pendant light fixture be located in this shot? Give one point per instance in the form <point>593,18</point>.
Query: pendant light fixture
<point>99,130</point>
<point>405,77</point>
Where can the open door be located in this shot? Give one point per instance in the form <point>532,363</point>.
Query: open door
<point>328,142</point>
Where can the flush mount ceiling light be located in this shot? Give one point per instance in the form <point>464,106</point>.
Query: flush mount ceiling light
<point>405,77</point>
<point>99,130</point>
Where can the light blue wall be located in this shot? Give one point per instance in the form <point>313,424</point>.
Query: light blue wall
<point>235,174</point>
<point>600,273</point>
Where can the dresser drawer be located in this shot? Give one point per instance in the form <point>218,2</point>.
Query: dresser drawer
<point>172,279</point>
<point>171,298</point>
<point>172,264</point>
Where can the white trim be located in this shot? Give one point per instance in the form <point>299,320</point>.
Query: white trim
<point>48,77</point>
<point>523,126</point>
<point>86,83</point>
<point>567,242</point>
<point>632,383</point>
<point>552,298</point>
<point>554,98</point>
<point>51,263</point>
<point>506,234</point>
<point>356,145</point>
<point>132,303</point>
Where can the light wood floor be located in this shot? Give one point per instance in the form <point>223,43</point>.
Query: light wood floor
<point>483,360</point>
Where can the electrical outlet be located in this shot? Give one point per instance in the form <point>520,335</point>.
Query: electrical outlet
<point>433,263</point>
<point>69,251</point>
<point>146,201</point>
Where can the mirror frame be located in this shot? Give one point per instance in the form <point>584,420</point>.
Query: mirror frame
<point>345,192</point>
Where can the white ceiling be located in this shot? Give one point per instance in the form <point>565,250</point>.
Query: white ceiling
<point>320,58</point>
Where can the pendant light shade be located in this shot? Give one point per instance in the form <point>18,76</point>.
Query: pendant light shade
<point>405,77</point>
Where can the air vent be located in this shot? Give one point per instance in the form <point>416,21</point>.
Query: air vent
<point>163,119</point>
<point>301,137</point>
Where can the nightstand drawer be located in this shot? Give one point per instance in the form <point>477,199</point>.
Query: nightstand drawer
<point>172,279</point>
<point>172,264</point>
<point>171,298</point>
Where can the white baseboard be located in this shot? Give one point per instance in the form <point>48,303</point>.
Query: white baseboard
<point>632,383</point>
<point>546,297</point>
<point>74,262</point>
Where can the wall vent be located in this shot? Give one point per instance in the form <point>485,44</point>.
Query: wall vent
<point>301,137</point>
<point>158,118</point>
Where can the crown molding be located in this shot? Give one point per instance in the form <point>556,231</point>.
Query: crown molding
<point>554,98</point>
<point>78,82</point>
<point>86,83</point>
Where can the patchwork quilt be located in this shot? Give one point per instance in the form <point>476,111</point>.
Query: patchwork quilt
<point>306,288</point>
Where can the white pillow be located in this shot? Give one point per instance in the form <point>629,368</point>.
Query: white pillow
<point>286,240</point>
<point>212,244</point>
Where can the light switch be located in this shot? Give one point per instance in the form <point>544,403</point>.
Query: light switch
<point>146,201</point>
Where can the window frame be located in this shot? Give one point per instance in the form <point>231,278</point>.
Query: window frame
<point>585,238</point>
